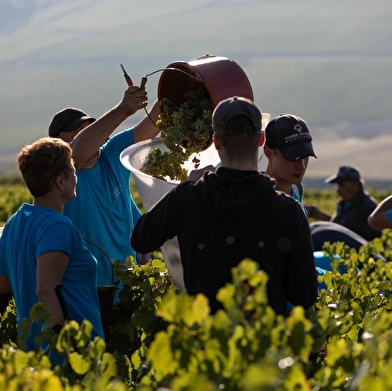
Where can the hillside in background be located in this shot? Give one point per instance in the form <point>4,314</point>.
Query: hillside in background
<point>327,61</point>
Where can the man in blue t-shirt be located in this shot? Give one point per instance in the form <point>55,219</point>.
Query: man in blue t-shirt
<point>104,211</point>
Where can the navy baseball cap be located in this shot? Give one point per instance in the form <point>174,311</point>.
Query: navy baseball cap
<point>290,134</point>
<point>235,116</point>
<point>67,120</point>
<point>345,173</point>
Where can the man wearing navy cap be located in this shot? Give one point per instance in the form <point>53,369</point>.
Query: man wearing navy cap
<point>288,146</point>
<point>354,205</point>
<point>104,211</point>
<point>232,214</point>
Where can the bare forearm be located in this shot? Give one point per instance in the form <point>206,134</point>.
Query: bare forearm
<point>378,219</point>
<point>90,139</point>
<point>323,216</point>
<point>5,285</point>
<point>315,213</point>
<point>384,205</point>
<point>146,128</point>
<point>49,298</point>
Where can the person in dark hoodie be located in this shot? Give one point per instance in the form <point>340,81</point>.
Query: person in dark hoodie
<point>232,214</point>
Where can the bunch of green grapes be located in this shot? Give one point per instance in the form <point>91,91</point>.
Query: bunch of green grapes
<point>189,124</point>
<point>167,164</point>
<point>185,129</point>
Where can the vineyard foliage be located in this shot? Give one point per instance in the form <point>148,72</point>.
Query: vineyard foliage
<point>162,339</point>
<point>13,193</point>
<point>11,198</point>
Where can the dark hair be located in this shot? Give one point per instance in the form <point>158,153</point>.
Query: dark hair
<point>42,162</point>
<point>241,147</point>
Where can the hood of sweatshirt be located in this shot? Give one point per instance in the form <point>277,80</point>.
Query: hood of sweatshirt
<point>233,193</point>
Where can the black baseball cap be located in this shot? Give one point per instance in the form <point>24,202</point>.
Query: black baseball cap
<point>235,116</point>
<point>291,136</point>
<point>345,173</point>
<point>67,120</point>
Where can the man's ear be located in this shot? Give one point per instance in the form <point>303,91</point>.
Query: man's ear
<point>267,151</point>
<point>59,182</point>
<point>262,139</point>
<point>216,140</point>
<point>358,185</point>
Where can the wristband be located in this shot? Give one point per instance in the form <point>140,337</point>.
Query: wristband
<point>389,215</point>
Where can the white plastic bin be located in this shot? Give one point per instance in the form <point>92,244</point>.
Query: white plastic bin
<point>153,189</point>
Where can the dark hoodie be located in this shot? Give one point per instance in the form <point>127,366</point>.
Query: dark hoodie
<point>228,216</point>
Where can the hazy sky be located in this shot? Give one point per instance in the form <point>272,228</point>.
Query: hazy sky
<point>67,53</point>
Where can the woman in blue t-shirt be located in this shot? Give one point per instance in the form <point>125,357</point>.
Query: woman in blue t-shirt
<point>42,255</point>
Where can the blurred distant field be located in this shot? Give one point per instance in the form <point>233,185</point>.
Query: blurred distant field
<point>13,193</point>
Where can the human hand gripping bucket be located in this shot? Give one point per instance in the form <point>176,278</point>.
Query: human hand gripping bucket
<point>222,78</point>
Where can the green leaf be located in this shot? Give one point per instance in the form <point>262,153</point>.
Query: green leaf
<point>298,328</point>
<point>336,350</point>
<point>296,380</point>
<point>108,367</point>
<point>78,363</point>
<point>378,246</point>
<point>45,380</point>
<point>198,311</point>
<point>161,354</point>
<point>260,377</point>
<point>388,270</point>
<point>136,359</point>
<point>20,361</point>
<point>226,296</point>
<point>38,312</point>
<point>247,269</point>
<point>173,307</point>
<point>213,353</point>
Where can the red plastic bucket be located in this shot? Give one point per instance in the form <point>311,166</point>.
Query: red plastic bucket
<point>221,76</point>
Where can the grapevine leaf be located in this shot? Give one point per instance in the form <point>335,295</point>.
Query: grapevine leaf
<point>198,311</point>
<point>161,354</point>
<point>78,363</point>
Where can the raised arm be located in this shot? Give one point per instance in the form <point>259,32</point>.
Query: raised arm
<point>378,219</point>
<point>87,142</point>
<point>146,128</point>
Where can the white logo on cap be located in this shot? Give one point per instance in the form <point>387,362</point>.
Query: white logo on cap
<point>298,128</point>
<point>298,137</point>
